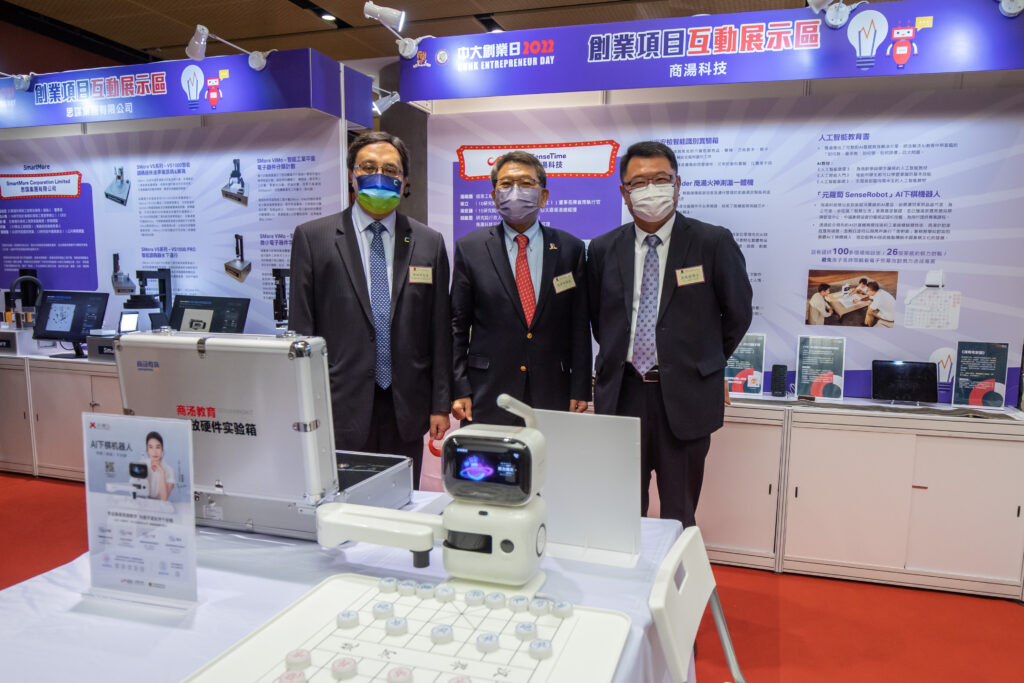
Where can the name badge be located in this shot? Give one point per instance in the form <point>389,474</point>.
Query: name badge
<point>564,282</point>
<point>689,276</point>
<point>421,275</point>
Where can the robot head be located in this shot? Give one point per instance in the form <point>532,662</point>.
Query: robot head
<point>495,465</point>
<point>212,82</point>
<point>903,32</point>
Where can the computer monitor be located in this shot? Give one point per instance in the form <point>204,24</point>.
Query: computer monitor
<point>194,313</point>
<point>69,317</point>
<point>129,321</point>
<point>904,380</point>
<point>158,320</point>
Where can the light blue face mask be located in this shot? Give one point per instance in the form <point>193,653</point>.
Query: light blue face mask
<point>379,193</point>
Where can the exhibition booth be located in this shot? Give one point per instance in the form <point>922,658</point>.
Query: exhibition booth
<point>869,437</point>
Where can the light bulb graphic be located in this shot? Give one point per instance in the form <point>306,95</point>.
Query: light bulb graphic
<point>192,80</point>
<point>866,32</point>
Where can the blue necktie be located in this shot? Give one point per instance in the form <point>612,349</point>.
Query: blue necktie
<point>380,305</point>
<point>645,351</point>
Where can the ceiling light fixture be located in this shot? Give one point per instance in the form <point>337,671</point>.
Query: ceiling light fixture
<point>21,81</point>
<point>489,22</point>
<point>393,20</point>
<point>328,17</point>
<point>197,48</point>
<point>1011,8</point>
<point>385,98</point>
<point>836,12</point>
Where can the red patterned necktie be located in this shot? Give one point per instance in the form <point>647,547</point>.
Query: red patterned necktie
<point>523,281</point>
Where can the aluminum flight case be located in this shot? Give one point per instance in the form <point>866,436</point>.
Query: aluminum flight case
<point>263,434</point>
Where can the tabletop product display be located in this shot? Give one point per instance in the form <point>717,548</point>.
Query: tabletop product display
<point>50,631</point>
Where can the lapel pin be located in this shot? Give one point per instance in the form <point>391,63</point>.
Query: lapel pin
<point>407,239</point>
<point>552,247</point>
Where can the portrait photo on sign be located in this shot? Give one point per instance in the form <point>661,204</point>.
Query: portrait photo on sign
<point>851,298</point>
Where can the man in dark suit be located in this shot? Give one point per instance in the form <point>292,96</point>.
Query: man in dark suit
<point>670,301</point>
<point>519,311</point>
<point>374,284</point>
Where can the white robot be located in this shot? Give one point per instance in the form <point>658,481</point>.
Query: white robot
<point>493,531</point>
<point>138,481</point>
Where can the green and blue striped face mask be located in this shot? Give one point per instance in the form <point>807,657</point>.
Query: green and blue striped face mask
<point>378,193</point>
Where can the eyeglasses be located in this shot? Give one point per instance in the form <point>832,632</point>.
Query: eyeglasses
<point>527,183</point>
<point>370,167</point>
<point>641,182</point>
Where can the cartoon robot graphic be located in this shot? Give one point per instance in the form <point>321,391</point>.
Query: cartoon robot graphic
<point>213,93</point>
<point>901,45</point>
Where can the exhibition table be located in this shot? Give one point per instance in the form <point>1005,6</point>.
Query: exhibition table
<point>50,631</point>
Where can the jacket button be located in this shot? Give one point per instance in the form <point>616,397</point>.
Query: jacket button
<point>522,368</point>
<point>529,335</point>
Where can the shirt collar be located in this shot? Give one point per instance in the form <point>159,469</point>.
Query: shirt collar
<point>663,233</point>
<point>362,221</point>
<point>510,233</point>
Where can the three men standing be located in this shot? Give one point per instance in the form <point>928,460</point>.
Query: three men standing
<point>667,296</point>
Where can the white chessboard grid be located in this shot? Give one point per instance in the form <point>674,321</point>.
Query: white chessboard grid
<point>586,644</point>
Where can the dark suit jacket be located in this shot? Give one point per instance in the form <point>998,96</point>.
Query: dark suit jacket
<point>491,341</point>
<point>329,298</point>
<point>699,325</point>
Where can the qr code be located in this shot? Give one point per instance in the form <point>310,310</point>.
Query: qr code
<point>108,466</point>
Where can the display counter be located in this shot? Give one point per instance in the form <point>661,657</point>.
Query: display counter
<point>924,497</point>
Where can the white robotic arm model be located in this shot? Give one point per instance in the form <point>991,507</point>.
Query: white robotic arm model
<point>494,529</point>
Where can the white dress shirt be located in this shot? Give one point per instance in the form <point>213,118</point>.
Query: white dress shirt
<point>362,225</point>
<point>885,304</point>
<point>639,254</point>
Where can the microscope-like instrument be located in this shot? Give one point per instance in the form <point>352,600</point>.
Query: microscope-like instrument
<point>235,189</point>
<point>494,531</point>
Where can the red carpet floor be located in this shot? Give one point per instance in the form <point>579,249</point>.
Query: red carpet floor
<point>786,628</point>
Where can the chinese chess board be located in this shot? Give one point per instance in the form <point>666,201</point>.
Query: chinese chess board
<point>362,629</point>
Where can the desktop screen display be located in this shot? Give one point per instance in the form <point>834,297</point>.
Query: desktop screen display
<point>902,380</point>
<point>209,313</point>
<point>70,316</point>
<point>129,321</point>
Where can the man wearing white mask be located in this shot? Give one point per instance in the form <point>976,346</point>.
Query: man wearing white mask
<point>519,308</point>
<point>669,302</point>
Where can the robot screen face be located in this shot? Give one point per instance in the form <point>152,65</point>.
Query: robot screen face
<point>488,472</point>
<point>903,33</point>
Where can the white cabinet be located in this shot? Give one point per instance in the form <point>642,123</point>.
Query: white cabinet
<point>966,516</point>
<point>739,499</point>
<point>61,391</point>
<point>849,496</point>
<point>15,414</point>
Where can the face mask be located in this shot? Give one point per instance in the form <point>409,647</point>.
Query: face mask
<point>518,205</point>
<point>654,202</point>
<point>378,193</point>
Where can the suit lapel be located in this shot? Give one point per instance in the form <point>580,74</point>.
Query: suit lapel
<point>403,254</point>
<point>678,247</point>
<point>348,249</point>
<point>549,258</point>
<point>499,258</point>
<point>625,250</point>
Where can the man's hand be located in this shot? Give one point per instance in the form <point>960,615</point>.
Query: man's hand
<point>577,406</point>
<point>439,424</point>
<point>462,408</point>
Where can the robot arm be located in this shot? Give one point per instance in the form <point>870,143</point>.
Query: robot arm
<point>415,531</point>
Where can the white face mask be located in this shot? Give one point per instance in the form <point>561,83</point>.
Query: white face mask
<point>653,202</point>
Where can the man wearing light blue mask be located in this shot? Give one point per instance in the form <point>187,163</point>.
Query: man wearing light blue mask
<point>374,284</point>
<point>519,311</point>
<point>670,300</point>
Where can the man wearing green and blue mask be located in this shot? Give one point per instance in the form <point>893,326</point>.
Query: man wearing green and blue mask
<point>374,284</point>
<point>519,312</point>
<point>669,302</point>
